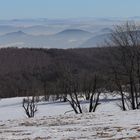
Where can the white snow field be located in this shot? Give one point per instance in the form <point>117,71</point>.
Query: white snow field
<point>50,122</point>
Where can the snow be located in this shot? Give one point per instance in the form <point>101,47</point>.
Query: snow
<point>100,126</point>
<point>12,108</point>
<point>51,122</point>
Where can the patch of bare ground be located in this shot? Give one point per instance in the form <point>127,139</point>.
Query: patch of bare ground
<point>128,138</point>
<point>42,138</point>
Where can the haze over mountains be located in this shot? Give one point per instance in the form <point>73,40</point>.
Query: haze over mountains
<point>57,33</point>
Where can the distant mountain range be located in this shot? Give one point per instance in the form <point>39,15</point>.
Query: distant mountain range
<point>57,33</point>
<point>70,38</point>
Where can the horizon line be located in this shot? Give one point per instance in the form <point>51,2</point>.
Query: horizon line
<point>62,18</point>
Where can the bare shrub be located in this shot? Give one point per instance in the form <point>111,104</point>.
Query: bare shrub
<point>30,106</point>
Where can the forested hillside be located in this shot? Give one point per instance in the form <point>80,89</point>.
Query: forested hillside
<point>26,69</point>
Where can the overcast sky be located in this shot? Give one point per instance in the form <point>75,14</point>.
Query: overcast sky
<point>11,9</point>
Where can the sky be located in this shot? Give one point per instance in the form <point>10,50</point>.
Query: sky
<point>15,9</point>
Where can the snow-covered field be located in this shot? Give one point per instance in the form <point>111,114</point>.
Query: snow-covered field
<point>50,123</point>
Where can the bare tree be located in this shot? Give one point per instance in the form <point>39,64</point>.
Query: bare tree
<point>72,87</point>
<point>30,106</point>
<point>90,88</point>
<point>75,88</point>
<point>94,97</point>
<point>126,66</point>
